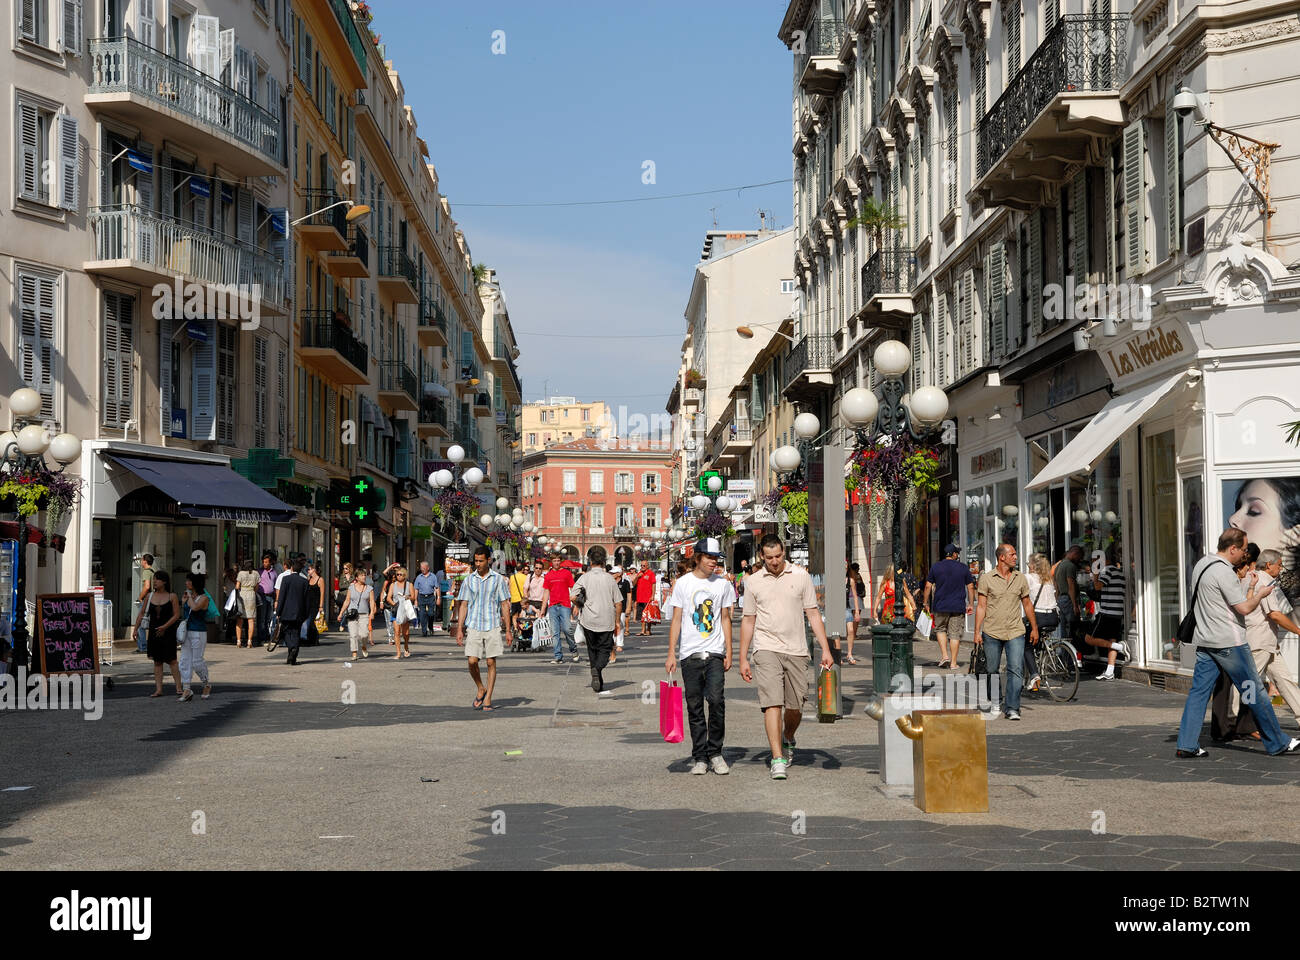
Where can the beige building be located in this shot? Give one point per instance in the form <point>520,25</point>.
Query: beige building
<point>561,419</point>
<point>504,388</point>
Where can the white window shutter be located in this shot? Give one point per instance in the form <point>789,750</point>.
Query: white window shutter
<point>37,302</point>
<point>244,226</point>
<point>1173,169</point>
<point>941,346</point>
<point>969,353</point>
<point>244,72</point>
<point>1051,14</point>
<point>145,21</point>
<point>997,302</point>
<point>166,327</point>
<point>27,19</point>
<point>1110,219</point>
<point>1036,272</point>
<point>205,44</point>
<point>112,382</point>
<point>916,374</point>
<point>29,152</point>
<point>70,32</point>
<point>203,415</point>
<point>226,56</point>
<point>1134,200</point>
<point>69,155</point>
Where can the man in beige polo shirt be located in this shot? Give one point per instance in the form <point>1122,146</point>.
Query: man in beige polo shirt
<point>1000,616</point>
<point>777,598</point>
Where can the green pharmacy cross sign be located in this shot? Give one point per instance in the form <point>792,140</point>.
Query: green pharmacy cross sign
<point>264,467</point>
<point>362,501</point>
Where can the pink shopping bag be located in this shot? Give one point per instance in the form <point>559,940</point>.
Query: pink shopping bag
<point>671,711</point>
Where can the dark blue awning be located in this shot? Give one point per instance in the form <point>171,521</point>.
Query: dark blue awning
<point>209,490</point>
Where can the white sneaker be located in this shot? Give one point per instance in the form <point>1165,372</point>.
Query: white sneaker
<point>778,768</point>
<point>1105,676</point>
<point>1013,714</point>
<point>1293,746</point>
<point>1120,648</point>
<point>700,768</point>
<point>605,693</point>
<point>720,766</point>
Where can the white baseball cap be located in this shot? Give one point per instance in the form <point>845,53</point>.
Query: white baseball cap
<point>709,545</point>
<point>616,570</point>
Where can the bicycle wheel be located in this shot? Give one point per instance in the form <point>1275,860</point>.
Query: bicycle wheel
<point>1060,671</point>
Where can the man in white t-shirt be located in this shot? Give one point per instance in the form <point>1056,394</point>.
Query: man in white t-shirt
<point>701,605</point>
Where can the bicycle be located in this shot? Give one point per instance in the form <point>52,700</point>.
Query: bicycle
<point>1057,664</point>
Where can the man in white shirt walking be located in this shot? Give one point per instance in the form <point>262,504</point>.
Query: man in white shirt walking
<point>701,605</point>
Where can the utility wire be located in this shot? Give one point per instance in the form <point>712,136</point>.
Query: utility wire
<point>597,203</point>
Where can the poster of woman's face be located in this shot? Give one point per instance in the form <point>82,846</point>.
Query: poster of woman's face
<point>1268,510</point>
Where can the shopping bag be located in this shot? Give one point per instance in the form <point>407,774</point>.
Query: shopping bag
<point>828,696</point>
<point>671,711</point>
<point>651,612</point>
<point>924,623</point>
<point>542,635</point>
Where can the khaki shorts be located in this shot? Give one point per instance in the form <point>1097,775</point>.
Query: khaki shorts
<point>483,644</point>
<point>951,625</point>
<point>782,679</point>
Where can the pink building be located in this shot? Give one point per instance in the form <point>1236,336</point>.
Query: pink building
<point>592,492</point>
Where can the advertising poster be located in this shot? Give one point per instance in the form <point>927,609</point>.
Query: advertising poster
<point>1268,510</point>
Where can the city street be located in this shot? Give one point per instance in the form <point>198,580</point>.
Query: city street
<point>275,772</point>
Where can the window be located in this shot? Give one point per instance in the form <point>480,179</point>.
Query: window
<point>598,516</point>
<point>570,481</point>
<point>300,434</point>
<point>586,414</point>
<point>569,516</point>
<point>623,483</point>
<point>649,483</point>
<point>566,413</point>
<point>650,516</point>
<point>625,516</point>
<point>950,145</point>
<point>788,286</point>
<point>1011,29</point>
<point>226,383</point>
<point>532,439</point>
<point>47,164</point>
<point>598,481</point>
<point>119,334</point>
<point>38,352</point>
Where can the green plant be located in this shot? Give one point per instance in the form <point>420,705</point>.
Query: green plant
<point>795,505</point>
<point>694,377</point>
<point>480,272</point>
<point>26,492</point>
<point>877,218</point>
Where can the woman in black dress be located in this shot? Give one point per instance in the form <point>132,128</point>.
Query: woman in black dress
<point>315,599</point>
<point>164,612</point>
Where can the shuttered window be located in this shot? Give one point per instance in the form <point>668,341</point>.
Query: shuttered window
<point>1134,200</point>
<point>995,275</point>
<point>259,391</point>
<point>1173,174</point>
<point>1015,56</point>
<point>119,337</point>
<point>950,134</point>
<point>38,355</point>
<point>300,437</point>
<point>35,128</point>
<point>1034,295</point>
<point>227,383</point>
<point>942,341</point>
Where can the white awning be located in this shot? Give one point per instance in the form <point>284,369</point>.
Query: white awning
<point>1093,441</point>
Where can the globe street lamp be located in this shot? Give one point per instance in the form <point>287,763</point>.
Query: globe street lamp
<point>886,423</point>
<point>22,453</point>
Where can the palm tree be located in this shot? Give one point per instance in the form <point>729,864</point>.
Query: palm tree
<point>877,218</point>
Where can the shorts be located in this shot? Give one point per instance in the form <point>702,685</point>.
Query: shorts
<point>951,625</point>
<point>483,644</point>
<point>1108,627</point>
<point>782,680</point>
<point>516,607</point>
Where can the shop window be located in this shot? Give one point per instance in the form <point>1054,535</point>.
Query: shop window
<point>1159,503</point>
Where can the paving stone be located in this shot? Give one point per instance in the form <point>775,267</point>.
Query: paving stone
<point>1122,863</point>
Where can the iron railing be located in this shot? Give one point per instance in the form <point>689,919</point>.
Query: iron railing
<point>888,271</point>
<point>431,315</point>
<point>482,400</point>
<point>740,431</point>
<point>396,262</point>
<point>321,328</point>
<point>1081,53</point>
<point>359,245</point>
<point>344,14</point>
<point>810,353</point>
<point>327,210</point>
<point>823,40</point>
<point>394,375</point>
<point>126,232</point>
<point>123,65</point>
<point>433,411</point>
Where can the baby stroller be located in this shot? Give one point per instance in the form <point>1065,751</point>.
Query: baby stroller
<point>524,634</point>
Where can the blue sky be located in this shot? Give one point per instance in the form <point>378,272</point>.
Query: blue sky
<point>584,94</point>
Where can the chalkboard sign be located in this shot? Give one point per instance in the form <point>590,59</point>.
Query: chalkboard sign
<point>65,627</point>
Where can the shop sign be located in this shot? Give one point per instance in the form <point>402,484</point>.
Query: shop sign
<point>146,502</point>
<point>987,462</point>
<point>178,423</point>
<point>1142,354</point>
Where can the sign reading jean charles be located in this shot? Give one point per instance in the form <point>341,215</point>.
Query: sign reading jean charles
<point>1268,510</point>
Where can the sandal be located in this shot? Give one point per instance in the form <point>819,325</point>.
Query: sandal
<point>851,660</point>
<point>354,658</point>
<point>487,707</point>
<point>207,691</point>
<point>478,701</point>
<point>156,693</point>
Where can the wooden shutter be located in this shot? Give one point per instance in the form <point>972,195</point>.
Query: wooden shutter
<point>166,328</point>
<point>203,403</point>
<point>1134,200</point>
<point>27,19</point>
<point>201,219</point>
<point>205,44</point>
<point>166,186</point>
<point>69,143</point>
<point>1051,14</point>
<point>1173,170</point>
<point>37,300</point>
<point>226,383</point>
<point>144,198</point>
<point>916,374</point>
<point>970,339</point>
<point>29,152</point>
<point>914,161</point>
<point>1035,292</point>
<point>1012,23</point>
<point>282,400</point>
<point>226,57</point>
<point>119,319</point>
<point>331,425</point>
<point>1079,225</point>
<point>941,340</point>
<point>70,29</point>
<point>997,301</point>
<point>244,226</point>
<point>244,72</point>
<point>144,29</point>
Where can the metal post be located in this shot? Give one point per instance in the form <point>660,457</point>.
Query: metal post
<point>833,551</point>
<point>900,655</point>
<point>20,607</point>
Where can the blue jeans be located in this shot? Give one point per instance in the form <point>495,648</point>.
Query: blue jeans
<point>427,612</point>
<point>1066,608</point>
<point>560,626</point>
<point>1239,665</point>
<point>142,640</point>
<point>1015,648</point>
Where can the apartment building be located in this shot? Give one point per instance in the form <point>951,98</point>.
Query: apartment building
<point>505,390</point>
<point>588,492</point>
<point>1049,164</point>
<point>561,419</point>
<point>145,296</point>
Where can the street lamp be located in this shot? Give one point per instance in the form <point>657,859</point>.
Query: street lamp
<point>22,451</point>
<point>887,422</point>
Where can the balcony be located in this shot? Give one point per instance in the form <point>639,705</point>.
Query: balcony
<point>1057,111</point>
<point>482,405</point>
<point>354,260</point>
<point>888,277</point>
<point>326,344</point>
<point>471,374</point>
<point>432,328</point>
<point>692,397</point>
<point>144,249</point>
<point>143,88</point>
<point>808,367</point>
<point>432,421</point>
<point>818,68</point>
<point>397,387</point>
<point>327,230</point>
<point>398,278</point>
<point>738,438</point>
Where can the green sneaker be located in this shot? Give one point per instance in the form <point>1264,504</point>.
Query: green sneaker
<point>787,750</point>
<point>778,768</point>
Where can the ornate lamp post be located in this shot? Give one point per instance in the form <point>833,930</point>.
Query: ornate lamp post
<point>22,451</point>
<point>886,423</point>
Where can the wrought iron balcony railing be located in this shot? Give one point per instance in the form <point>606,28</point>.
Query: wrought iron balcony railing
<point>1082,53</point>
<point>889,272</point>
<point>433,411</point>
<point>396,262</point>
<point>321,328</point>
<point>431,315</point>
<point>332,212</point>
<point>394,375</point>
<point>123,65</point>
<point>359,245</point>
<point>810,353</point>
<point>823,40</point>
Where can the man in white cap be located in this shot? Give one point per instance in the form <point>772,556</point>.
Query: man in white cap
<point>701,605</point>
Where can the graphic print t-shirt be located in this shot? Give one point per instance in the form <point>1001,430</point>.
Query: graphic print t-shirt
<point>704,601</point>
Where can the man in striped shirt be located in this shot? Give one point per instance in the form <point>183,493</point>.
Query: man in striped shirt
<point>484,607</point>
<point>1109,628</point>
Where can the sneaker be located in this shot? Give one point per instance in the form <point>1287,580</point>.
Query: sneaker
<point>605,693</point>
<point>1013,714</point>
<point>700,768</point>
<point>1120,648</point>
<point>719,765</point>
<point>778,768</point>
<point>1032,686</point>
<point>1199,752</point>
<point>577,659</point>
<point>1292,747</point>
<point>787,751</point>
<point>1104,676</point>
<point>558,660</point>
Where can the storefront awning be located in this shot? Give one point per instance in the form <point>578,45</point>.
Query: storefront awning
<point>1090,445</point>
<point>209,490</point>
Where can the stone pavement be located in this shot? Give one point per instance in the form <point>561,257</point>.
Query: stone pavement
<point>276,771</point>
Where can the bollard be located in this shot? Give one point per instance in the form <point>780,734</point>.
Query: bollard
<point>949,760</point>
<point>900,652</point>
<point>896,750</point>
<point>881,641</point>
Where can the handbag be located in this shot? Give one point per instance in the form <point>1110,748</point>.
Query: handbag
<point>1186,632</point>
<point>828,696</point>
<point>979,662</point>
<point>671,711</point>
